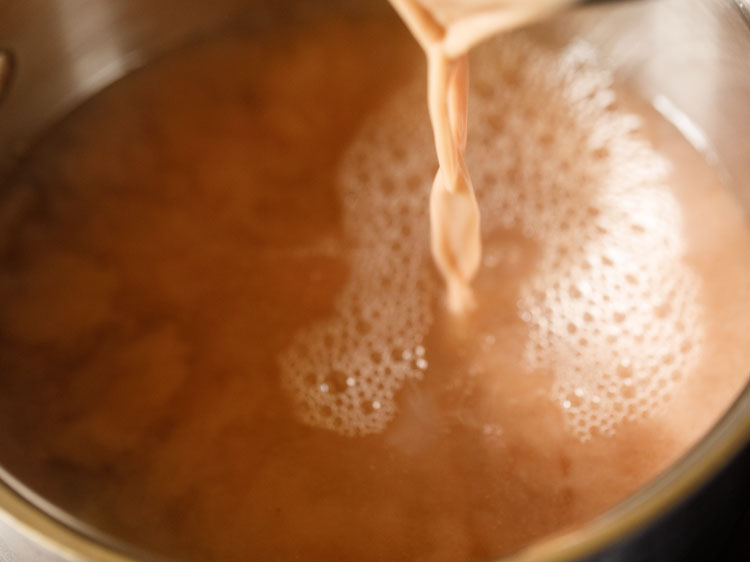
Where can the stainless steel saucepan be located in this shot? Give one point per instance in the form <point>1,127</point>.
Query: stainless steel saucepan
<point>695,53</point>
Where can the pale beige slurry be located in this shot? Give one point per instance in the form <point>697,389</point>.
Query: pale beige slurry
<point>446,30</point>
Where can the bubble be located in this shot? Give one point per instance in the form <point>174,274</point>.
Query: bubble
<point>625,369</point>
<point>628,391</point>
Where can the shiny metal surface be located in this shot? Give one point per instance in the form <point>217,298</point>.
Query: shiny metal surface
<point>6,72</point>
<point>694,53</point>
<point>68,49</point>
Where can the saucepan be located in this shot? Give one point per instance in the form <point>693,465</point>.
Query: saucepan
<point>692,54</point>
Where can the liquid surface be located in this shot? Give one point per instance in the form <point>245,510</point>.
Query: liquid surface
<point>222,336</point>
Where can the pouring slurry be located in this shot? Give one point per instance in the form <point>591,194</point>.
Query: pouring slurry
<point>446,30</point>
<point>219,296</point>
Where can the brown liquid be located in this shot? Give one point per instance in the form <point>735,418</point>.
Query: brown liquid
<point>221,335</point>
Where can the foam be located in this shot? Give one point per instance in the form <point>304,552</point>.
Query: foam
<point>345,371</point>
<point>611,310</point>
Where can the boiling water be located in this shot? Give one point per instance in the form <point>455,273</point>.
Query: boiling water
<point>222,336</point>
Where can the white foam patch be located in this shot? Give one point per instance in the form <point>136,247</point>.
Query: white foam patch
<point>344,372</point>
<point>612,312</point>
